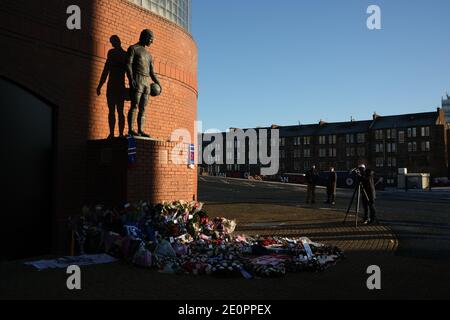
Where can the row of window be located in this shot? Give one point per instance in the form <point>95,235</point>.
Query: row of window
<point>323,152</point>
<point>332,152</point>
<point>326,152</point>
<point>390,162</point>
<point>251,143</point>
<point>177,11</point>
<point>391,134</point>
<point>425,146</point>
<point>330,139</point>
<point>297,141</point>
<point>303,166</point>
<point>412,147</point>
<point>298,153</point>
<point>360,138</point>
<point>352,152</point>
<point>390,148</point>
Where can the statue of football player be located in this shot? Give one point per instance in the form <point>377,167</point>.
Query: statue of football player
<point>140,71</point>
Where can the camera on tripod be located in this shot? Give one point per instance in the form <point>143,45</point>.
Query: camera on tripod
<point>356,171</point>
<point>358,193</point>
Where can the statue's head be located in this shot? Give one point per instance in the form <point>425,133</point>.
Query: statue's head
<point>115,42</point>
<point>146,38</point>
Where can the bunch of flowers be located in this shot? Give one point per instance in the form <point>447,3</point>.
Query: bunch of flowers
<point>179,237</point>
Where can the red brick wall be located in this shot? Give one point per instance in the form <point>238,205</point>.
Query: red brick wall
<point>154,177</point>
<point>175,59</point>
<point>64,67</point>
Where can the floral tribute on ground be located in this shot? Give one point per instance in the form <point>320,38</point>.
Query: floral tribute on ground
<point>180,238</point>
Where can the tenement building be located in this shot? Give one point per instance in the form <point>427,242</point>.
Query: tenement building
<point>416,141</point>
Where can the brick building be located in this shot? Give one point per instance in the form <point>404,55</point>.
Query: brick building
<point>50,109</point>
<point>417,142</point>
<point>340,145</point>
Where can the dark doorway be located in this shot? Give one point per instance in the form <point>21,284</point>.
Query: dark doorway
<point>26,124</point>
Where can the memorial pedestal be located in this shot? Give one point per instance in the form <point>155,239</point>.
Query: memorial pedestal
<point>155,174</point>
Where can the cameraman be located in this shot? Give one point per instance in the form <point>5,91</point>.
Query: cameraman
<point>366,177</point>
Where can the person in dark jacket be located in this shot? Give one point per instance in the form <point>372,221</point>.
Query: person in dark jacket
<point>312,177</point>
<point>331,187</point>
<point>369,195</point>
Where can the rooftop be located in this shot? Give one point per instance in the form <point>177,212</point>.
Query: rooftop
<point>405,120</point>
<point>353,127</point>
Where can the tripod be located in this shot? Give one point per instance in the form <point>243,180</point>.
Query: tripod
<point>359,190</point>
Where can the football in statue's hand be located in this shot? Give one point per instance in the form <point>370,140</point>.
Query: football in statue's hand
<point>155,90</point>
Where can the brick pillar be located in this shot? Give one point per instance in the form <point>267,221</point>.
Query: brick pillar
<point>155,176</point>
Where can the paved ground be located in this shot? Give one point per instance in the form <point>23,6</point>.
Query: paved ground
<point>402,277</point>
<point>411,246</point>
<point>420,220</point>
<point>324,226</point>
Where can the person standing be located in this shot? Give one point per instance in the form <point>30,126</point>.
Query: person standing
<point>369,194</point>
<point>331,187</point>
<point>312,177</point>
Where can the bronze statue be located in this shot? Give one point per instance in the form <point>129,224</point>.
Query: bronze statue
<point>140,71</point>
<point>115,93</point>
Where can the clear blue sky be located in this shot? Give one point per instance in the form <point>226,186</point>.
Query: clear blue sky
<point>285,61</point>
